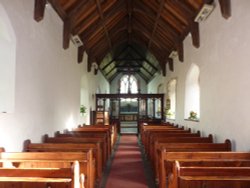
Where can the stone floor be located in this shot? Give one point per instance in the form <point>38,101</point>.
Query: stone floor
<point>129,127</point>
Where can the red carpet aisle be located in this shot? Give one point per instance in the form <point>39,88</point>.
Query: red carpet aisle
<point>127,167</point>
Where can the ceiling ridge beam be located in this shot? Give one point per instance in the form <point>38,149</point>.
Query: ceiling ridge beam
<point>130,11</point>
<point>103,23</point>
<point>156,22</point>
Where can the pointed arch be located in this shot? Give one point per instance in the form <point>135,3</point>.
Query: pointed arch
<point>192,93</point>
<point>171,99</point>
<point>128,84</point>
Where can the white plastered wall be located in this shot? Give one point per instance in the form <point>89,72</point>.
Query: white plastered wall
<point>48,78</point>
<point>223,59</point>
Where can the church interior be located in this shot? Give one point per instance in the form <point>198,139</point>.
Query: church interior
<point>122,77</point>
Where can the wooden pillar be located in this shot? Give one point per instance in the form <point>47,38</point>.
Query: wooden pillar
<point>153,108</point>
<point>138,115</point>
<point>162,107</point>
<point>119,126</point>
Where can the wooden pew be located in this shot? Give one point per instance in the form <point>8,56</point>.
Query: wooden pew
<point>161,142</point>
<point>53,160</point>
<point>147,130</point>
<point>89,134</point>
<point>166,157</point>
<point>111,127</point>
<point>230,176</point>
<point>68,147</point>
<point>108,130</point>
<point>42,177</point>
<point>166,134</point>
<point>148,133</point>
<point>101,141</point>
<point>186,147</point>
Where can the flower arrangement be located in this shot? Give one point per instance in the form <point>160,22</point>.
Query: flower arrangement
<point>83,109</point>
<point>193,115</point>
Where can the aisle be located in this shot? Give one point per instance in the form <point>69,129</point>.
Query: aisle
<point>127,168</point>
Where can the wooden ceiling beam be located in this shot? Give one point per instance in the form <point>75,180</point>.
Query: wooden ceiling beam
<point>180,50</point>
<point>140,6</point>
<point>80,53</point>
<point>66,33</point>
<point>148,36</point>
<point>99,8</point>
<point>39,9</point>
<point>194,30</point>
<point>113,77</point>
<point>225,7</point>
<point>58,8</point>
<point>151,74</point>
<point>159,43</point>
<point>111,22</point>
<point>145,59</point>
<point>173,21</point>
<point>101,50</point>
<point>91,43</point>
<point>97,35</point>
<point>171,64</point>
<point>163,67</point>
<point>161,6</point>
<point>89,18</point>
<point>112,69</point>
<point>143,77</point>
<point>109,63</point>
<point>129,27</point>
<point>141,66</point>
<point>83,24</point>
<point>181,8</point>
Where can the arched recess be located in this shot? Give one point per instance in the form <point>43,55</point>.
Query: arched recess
<point>85,99</point>
<point>171,99</point>
<point>7,63</point>
<point>128,84</point>
<point>192,93</point>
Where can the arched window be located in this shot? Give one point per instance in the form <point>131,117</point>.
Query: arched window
<point>171,99</point>
<point>192,93</point>
<point>128,84</point>
<point>7,63</point>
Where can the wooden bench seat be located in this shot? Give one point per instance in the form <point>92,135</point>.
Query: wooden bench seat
<point>185,147</point>
<point>147,134</point>
<point>210,176</point>
<point>161,142</point>
<point>112,131</point>
<point>89,134</point>
<point>68,147</point>
<point>101,141</point>
<point>42,177</point>
<point>167,159</point>
<point>52,160</point>
<point>167,134</point>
